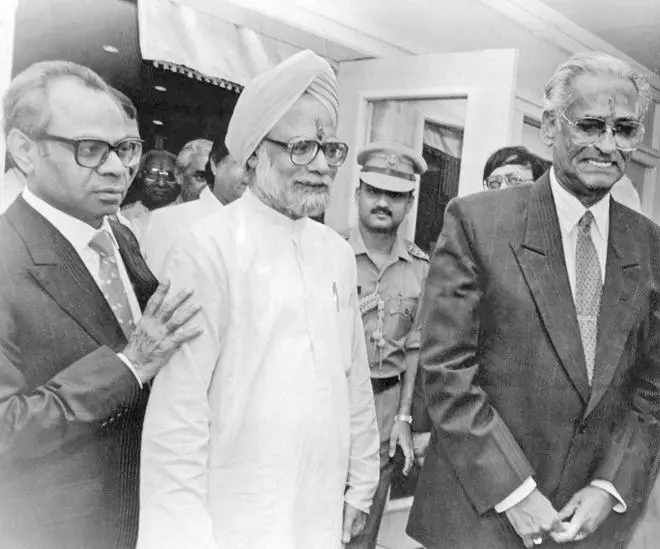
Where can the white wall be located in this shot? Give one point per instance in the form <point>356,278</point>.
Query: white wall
<point>7,20</point>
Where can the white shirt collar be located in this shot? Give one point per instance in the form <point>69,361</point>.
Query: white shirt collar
<point>273,216</point>
<point>207,196</point>
<point>77,232</point>
<point>570,210</point>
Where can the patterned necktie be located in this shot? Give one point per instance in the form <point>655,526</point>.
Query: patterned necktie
<point>111,285</point>
<point>588,289</point>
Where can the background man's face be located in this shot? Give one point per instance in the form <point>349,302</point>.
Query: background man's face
<point>509,175</point>
<point>193,179</point>
<point>382,211</point>
<point>84,193</point>
<point>299,190</point>
<point>592,170</point>
<point>230,180</point>
<point>159,184</point>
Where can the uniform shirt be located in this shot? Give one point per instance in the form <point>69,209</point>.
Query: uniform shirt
<point>259,430</point>
<point>399,284</point>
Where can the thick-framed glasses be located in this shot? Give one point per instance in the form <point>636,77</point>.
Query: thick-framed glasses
<point>92,153</point>
<point>627,133</point>
<point>303,151</point>
<point>495,182</point>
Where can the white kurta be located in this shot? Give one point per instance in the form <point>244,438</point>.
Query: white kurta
<point>163,227</point>
<point>259,430</point>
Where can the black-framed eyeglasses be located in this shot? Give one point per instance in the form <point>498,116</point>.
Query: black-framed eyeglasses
<point>92,153</point>
<point>495,182</point>
<point>303,151</point>
<point>627,133</point>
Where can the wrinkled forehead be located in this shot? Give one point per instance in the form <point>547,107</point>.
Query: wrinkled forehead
<point>604,95</point>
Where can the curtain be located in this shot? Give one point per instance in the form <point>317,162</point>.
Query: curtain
<point>178,35</point>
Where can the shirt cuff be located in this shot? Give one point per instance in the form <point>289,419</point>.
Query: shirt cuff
<point>515,497</point>
<point>606,485</point>
<point>130,367</point>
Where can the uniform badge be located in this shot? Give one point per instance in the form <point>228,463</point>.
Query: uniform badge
<point>392,162</point>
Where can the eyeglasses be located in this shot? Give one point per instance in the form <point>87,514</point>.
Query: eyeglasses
<point>154,174</point>
<point>628,134</point>
<point>495,182</point>
<point>303,151</point>
<point>92,153</point>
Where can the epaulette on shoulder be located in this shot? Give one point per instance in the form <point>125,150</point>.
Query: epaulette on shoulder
<point>416,251</point>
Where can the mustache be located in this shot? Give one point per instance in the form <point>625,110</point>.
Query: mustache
<point>385,211</point>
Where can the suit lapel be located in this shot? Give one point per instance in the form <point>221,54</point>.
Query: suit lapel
<point>143,281</point>
<point>617,310</point>
<point>541,259</point>
<point>59,270</point>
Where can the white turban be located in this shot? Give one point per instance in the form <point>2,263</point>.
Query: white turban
<point>270,95</point>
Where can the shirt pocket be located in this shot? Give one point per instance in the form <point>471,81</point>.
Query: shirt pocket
<point>400,313</point>
<point>345,325</point>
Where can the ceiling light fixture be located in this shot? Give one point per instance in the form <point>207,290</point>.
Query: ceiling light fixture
<point>160,88</point>
<point>110,49</point>
<point>157,122</point>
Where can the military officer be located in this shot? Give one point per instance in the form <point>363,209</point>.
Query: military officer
<point>391,274</point>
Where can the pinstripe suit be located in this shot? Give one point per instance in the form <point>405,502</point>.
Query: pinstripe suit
<point>71,410</point>
<point>505,374</point>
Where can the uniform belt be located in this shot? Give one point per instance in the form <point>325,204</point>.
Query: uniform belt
<point>381,384</point>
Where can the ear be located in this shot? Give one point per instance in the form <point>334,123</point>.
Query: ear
<point>252,161</point>
<point>410,201</point>
<point>549,128</point>
<point>22,150</point>
<point>357,192</point>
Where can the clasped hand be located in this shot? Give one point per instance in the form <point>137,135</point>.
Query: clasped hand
<point>535,519</point>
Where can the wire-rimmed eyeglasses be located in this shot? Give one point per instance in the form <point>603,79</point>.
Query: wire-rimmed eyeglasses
<point>627,133</point>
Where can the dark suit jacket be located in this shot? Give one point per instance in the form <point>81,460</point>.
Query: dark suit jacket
<point>71,411</point>
<point>505,374</point>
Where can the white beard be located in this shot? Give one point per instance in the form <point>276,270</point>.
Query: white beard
<point>287,197</point>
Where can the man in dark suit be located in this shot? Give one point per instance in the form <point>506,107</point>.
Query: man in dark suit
<point>80,333</point>
<point>541,347</point>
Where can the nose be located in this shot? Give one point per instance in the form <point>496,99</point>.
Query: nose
<point>112,166</point>
<point>382,201</point>
<point>320,163</point>
<point>607,143</point>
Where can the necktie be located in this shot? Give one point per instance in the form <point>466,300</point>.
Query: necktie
<point>588,289</point>
<point>111,285</point>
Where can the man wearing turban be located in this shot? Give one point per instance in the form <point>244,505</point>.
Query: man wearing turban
<point>263,434</point>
